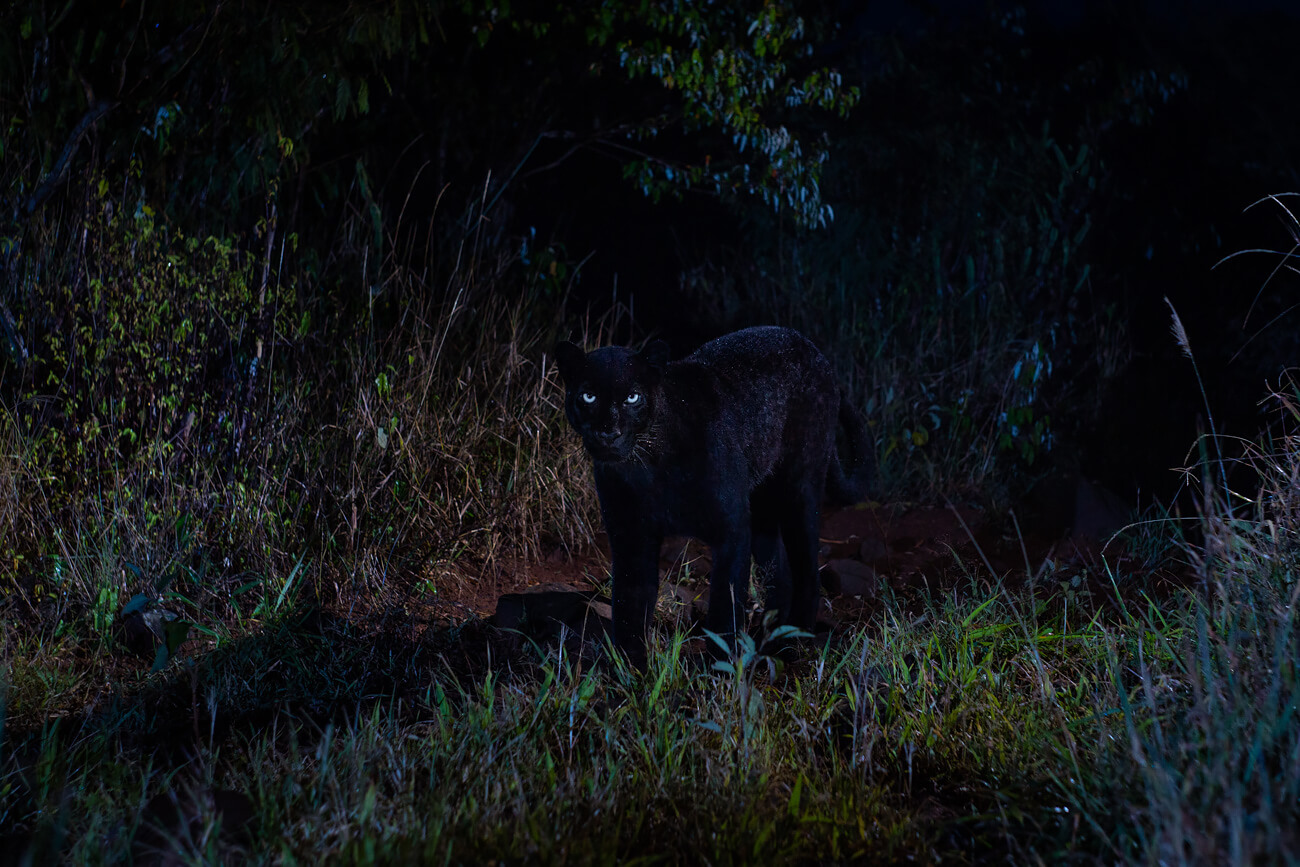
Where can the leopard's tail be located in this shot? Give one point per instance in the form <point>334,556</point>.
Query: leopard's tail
<point>848,485</point>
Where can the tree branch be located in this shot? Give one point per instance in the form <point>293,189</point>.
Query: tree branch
<point>60,169</point>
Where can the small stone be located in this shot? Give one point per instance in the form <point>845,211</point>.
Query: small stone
<point>872,549</point>
<point>846,577</point>
<point>142,626</point>
<point>541,612</point>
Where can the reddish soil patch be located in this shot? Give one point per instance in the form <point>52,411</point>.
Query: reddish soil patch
<point>912,552</point>
<point>583,572</point>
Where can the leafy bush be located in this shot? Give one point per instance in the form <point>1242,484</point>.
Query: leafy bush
<point>183,423</point>
<point>148,351</point>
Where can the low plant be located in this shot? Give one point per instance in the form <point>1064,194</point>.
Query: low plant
<point>1211,751</point>
<point>923,738</point>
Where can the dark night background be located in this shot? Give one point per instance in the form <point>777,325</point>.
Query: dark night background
<point>376,136</point>
<point>1176,185</point>
<point>1177,188</point>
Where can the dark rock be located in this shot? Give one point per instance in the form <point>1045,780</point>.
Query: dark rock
<point>846,577</point>
<point>1048,508</point>
<point>545,610</point>
<point>1098,513</point>
<point>873,549</point>
<point>142,626</point>
<point>1068,501</point>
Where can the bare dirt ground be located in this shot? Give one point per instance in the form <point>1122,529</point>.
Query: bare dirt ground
<point>1065,538</point>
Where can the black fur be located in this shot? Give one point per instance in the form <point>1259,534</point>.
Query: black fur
<point>734,445</point>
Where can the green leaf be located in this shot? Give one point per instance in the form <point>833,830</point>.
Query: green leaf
<point>970,618</point>
<point>160,659</point>
<point>284,591</point>
<point>363,96</point>
<point>368,803</point>
<point>138,603</point>
<point>175,632</point>
<point>342,96</point>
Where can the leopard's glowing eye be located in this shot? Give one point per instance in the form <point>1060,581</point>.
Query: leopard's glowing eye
<point>587,397</point>
<point>633,397</point>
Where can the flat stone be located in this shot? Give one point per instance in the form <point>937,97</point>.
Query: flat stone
<point>845,577</point>
<point>541,612</point>
<point>550,587</point>
<point>873,549</point>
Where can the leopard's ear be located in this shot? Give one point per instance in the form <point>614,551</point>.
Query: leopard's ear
<point>569,358</point>
<point>655,354</point>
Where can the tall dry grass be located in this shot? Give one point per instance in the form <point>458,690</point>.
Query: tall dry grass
<point>202,423</point>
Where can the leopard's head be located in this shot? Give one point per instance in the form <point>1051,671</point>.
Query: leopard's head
<point>610,395</point>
